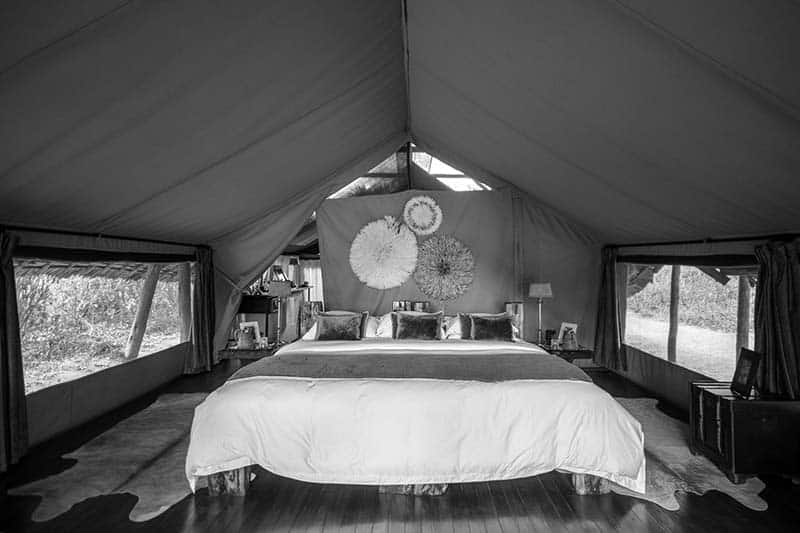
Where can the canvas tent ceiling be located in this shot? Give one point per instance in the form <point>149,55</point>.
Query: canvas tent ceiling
<point>202,121</point>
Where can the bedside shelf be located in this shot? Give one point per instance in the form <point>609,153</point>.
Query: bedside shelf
<point>257,353</point>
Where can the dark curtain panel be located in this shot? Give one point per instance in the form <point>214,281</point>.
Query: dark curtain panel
<point>608,335</point>
<point>777,319</point>
<point>201,357</point>
<point>13,409</point>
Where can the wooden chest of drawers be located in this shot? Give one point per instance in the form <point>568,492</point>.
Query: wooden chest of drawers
<point>744,437</point>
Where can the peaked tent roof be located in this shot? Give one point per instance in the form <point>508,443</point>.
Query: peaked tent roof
<point>190,121</point>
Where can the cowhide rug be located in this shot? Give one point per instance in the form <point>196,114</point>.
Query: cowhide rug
<point>143,455</point>
<point>671,466</point>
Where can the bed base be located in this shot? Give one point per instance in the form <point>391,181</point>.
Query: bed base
<point>426,489</point>
<point>586,484</point>
<point>235,483</point>
<point>232,482</point>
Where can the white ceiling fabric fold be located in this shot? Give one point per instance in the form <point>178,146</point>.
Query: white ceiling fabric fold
<point>595,113</point>
<point>187,120</point>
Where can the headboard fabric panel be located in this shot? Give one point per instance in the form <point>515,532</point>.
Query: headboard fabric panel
<point>481,220</point>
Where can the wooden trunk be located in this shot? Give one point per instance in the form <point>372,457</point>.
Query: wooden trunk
<point>586,484</point>
<point>233,482</point>
<point>744,438</point>
<point>426,489</point>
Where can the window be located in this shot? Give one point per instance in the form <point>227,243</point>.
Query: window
<point>711,304</point>
<point>76,318</point>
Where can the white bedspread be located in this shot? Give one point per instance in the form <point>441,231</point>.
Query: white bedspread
<point>388,431</point>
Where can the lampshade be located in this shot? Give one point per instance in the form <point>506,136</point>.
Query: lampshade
<point>540,290</point>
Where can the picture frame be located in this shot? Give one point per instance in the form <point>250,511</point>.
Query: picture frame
<point>744,377</point>
<point>254,325</point>
<point>420,306</point>
<point>566,327</point>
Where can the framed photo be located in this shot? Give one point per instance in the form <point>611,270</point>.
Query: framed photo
<point>256,330</point>
<point>419,306</point>
<point>744,377</point>
<point>567,328</point>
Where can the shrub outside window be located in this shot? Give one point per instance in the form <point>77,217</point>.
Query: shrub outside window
<point>77,318</point>
<point>708,335</point>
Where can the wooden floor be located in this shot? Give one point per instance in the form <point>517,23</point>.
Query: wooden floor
<point>543,503</point>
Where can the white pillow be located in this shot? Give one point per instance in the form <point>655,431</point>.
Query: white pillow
<point>371,328</point>
<point>311,334</point>
<point>384,328</point>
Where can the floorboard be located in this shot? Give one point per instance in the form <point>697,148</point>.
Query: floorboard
<point>544,503</point>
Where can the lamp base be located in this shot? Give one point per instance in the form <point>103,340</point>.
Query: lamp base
<point>539,330</point>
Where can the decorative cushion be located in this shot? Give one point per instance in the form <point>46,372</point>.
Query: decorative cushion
<point>363,314</point>
<point>421,326</point>
<point>461,328</point>
<point>339,327</point>
<point>496,328</point>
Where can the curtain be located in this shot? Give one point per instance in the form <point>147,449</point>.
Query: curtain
<point>202,355</point>
<point>13,409</point>
<point>777,319</point>
<point>311,271</point>
<point>608,341</point>
<point>241,256</point>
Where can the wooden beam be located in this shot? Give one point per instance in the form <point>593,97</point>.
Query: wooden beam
<point>743,315</point>
<point>426,489</point>
<point>715,274</point>
<point>142,313</point>
<point>586,484</point>
<point>185,300</point>
<point>232,482</point>
<point>674,301</point>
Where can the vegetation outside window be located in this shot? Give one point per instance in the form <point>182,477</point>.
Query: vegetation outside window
<point>714,315</point>
<point>79,318</point>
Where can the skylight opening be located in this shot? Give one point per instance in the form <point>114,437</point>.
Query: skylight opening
<point>391,175</point>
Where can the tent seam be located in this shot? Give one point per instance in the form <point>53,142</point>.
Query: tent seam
<point>764,93</point>
<point>239,151</point>
<point>406,65</point>
<point>63,38</point>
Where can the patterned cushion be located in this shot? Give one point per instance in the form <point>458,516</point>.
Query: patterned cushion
<point>339,327</point>
<point>495,328</point>
<point>462,328</point>
<point>415,325</point>
<point>364,315</point>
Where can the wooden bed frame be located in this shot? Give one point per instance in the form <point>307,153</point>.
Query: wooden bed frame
<point>235,483</point>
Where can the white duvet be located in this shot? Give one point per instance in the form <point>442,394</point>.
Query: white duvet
<point>388,431</point>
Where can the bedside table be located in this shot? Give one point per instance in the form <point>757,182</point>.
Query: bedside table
<point>256,353</point>
<point>569,355</point>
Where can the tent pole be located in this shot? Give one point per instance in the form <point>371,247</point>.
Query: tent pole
<point>142,312</point>
<point>674,300</point>
<point>185,299</point>
<point>408,164</point>
<point>743,315</point>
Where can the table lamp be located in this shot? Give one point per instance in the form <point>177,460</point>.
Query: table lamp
<point>540,291</point>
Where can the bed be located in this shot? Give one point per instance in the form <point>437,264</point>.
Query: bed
<point>392,412</point>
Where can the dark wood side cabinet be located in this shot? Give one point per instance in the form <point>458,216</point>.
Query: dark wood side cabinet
<point>744,437</point>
